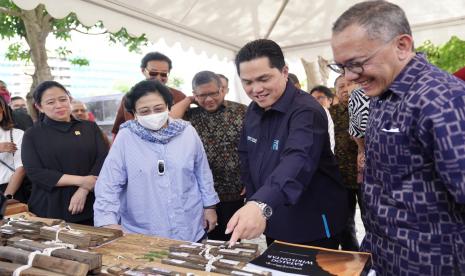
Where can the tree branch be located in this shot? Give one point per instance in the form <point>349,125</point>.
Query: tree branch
<point>9,12</point>
<point>47,19</point>
<point>79,31</point>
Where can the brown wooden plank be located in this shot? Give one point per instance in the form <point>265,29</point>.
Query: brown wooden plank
<point>31,217</point>
<point>94,260</point>
<point>7,269</point>
<point>78,239</point>
<point>65,267</point>
<point>102,231</point>
<point>15,208</point>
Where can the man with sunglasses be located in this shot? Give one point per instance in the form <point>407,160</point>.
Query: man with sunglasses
<point>218,123</point>
<point>414,183</point>
<point>156,66</point>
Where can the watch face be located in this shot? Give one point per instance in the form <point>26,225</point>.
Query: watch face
<point>267,211</point>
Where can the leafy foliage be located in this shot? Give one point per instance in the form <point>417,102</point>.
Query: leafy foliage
<point>175,81</point>
<point>12,26</point>
<point>16,51</point>
<point>449,57</point>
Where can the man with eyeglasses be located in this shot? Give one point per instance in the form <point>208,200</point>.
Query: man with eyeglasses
<point>154,65</point>
<point>414,182</point>
<point>218,123</point>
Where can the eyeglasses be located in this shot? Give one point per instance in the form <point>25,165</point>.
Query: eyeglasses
<point>355,67</point>
<point>203,97</point>
<point>157,73</point>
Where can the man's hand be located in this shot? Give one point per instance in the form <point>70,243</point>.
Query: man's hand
<point>209,219</point>
<point>78,200</point>
<point>88,182</point>
<point>247,223</point>
<point>8,147</point>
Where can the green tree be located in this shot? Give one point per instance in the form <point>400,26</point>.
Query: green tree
<point>175,81</point>
<point>34,26</point>
<point>449,57</point>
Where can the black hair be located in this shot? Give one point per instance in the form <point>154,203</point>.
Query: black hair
<point>293,78</point>
<point>155,56</point>
<point>40,90</point>
<point>223,77</point>
<point>7,121</point>
<point>204,77</point>
<point>44,86</point>
<point>146,87</point>
<point>261,48</point>
<point>17,98</point>
<point>323,89</point>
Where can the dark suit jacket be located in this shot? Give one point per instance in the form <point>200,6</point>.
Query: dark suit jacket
<point>286,162</point>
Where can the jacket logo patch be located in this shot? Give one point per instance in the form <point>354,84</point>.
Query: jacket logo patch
<point>251,139</point>
<point>275,145</point>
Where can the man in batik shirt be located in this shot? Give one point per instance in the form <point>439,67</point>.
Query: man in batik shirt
<point>414,183</point>
<point>218,123</point>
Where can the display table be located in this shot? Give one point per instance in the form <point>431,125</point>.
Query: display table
<point>130,250</point>
<point>108,250</point>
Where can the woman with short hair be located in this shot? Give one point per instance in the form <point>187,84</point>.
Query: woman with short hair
<point>156,179</point>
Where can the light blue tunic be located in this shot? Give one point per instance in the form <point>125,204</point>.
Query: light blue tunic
<point>129,190</point>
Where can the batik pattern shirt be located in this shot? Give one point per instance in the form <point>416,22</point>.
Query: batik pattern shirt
<point>220,133</point>
<point>414,188</point>
<point>345,148</point>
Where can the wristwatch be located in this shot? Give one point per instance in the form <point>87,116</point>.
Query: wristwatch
<point>9,196</point>
<point>267,211</point>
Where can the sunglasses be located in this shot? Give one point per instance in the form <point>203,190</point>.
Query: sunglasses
<point>156,73</point>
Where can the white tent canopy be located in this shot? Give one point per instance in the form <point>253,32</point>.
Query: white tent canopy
<point>221,27</point>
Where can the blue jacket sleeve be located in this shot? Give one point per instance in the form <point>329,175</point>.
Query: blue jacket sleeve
<point>244,164</point>
<point>308,132</point>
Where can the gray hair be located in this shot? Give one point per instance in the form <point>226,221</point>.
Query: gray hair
<point>381,19</point>
<point>204,77</point>
<point>75,101</point>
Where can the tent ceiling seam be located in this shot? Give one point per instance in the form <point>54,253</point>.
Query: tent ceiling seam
<point>157,21</point>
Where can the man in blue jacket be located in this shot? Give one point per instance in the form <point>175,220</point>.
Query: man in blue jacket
<point>293,185</point>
